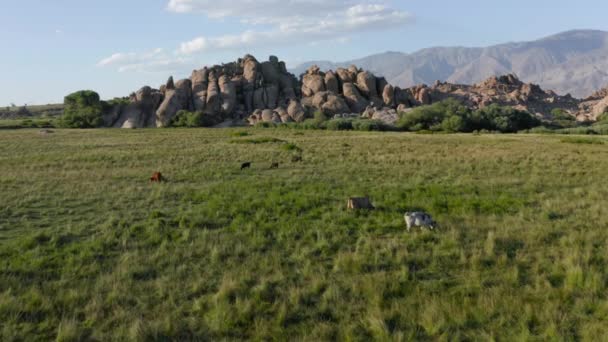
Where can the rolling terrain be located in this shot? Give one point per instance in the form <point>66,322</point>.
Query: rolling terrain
<point>90,250</point>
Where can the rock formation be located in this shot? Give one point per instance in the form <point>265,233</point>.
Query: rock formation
<point>249,91</point>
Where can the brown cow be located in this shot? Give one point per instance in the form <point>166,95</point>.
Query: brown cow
<point>157,177</point>
<point>274,166</point>
<point>356,203</point>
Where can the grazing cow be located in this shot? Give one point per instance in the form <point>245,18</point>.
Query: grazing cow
<point>356,203</point>
<point>419,219</point>
<point>157,177</point>
<point>246,166</point>
<point>274,166</point>
<point>296,159</point>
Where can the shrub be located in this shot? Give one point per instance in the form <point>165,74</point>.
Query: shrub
<point>370,125</point>
<point>503,119</point>
<point>588,141</point>
<point>184,118</point>
<point>265,125</point>
<point>562,114</point>
<point>603,118</point>
<point>255,141</point>
<point>82,109</point>
<point>292,147</point>
<point>339,125</point>
<point>449,115</point>
<point>539,130</point>
<point>319,116</point>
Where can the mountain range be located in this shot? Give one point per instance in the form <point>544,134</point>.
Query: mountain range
<point>573,62</point>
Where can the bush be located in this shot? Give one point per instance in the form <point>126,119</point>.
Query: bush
<point>503,119</point>
<point>262,124</point>
<point>319,116</point>
<point>561,114</point>
<point>255,141</point>
<point>452,116</point>
<point>370,125</point>
<point>449,115</point>
<point>291,147</point>
<point>339,125</point>
<point>588,141</point>
<point>603,118</point>
<point>82,109</point>
<point>184,118</point>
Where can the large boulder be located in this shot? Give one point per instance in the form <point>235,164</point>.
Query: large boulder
<point>387,115</point>
<point>271,70</point>
<point>250,69</point>
<point>255,117</point>
<point>329,103</point>
<point>331,82</point>
<point>366,82</point>
<point>355,101</point>
<point>313,82</point>
<point>141,112</point>
<point>283,114</point>
<point>229,96</point>
<point>214,97</point>
<point>250,76</point>
<point>177,98</point>
<point>267,115</point>
<point>296,111</point>
<point>335,105</point>
<point>388,95</point>
<point>381,83</point>
<point>404,97</point>
<point>424,96</point>
<point>200,83</point>
<point>346,76</point>
<point>266,97</point>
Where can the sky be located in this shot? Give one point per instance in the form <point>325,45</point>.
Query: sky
<point>53,48</point>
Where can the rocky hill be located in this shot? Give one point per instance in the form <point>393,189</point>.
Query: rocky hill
<point>574,62</point>
<point>251,91</point>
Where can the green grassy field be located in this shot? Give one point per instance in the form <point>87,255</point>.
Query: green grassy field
<point>90,250</point>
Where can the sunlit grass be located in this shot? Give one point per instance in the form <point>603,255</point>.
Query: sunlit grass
<point>89,249</point>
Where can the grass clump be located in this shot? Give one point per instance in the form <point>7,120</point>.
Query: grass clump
<point>579,140</point>
<point>291,147</point>
<point>256,141</point>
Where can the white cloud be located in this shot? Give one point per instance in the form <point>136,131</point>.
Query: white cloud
<point>150,61</point>
<point>289,26</point>
<point>269,23</point>
<point>259,9</point>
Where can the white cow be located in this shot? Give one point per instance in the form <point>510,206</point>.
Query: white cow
<point>419,219</point>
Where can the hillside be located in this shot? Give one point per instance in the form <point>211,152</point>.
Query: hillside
<point>574,62</point>
<point>251,91</point>
<point>50,110</point>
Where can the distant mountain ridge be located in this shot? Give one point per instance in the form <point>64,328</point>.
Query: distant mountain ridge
<point>574,62</point>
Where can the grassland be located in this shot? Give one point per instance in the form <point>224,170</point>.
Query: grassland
<point>89,250</point>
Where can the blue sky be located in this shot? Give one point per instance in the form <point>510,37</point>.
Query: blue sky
<point>52,48</point>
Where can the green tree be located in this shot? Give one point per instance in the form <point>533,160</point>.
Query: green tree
<point>82,109</point>
<point>448,115</point>
<point>503,119</point>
